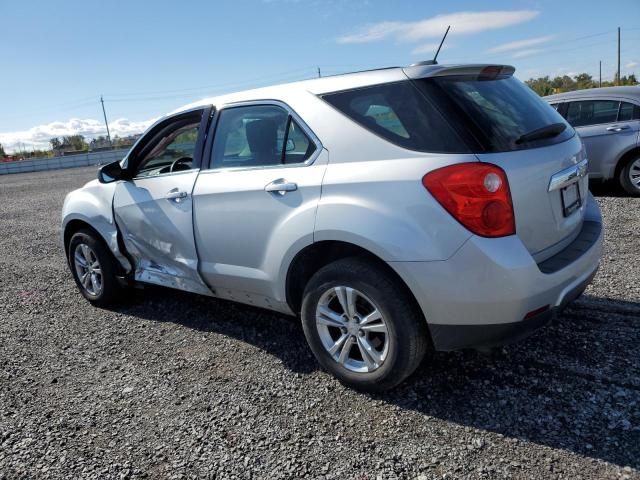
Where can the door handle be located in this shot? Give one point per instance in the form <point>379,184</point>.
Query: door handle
<point>281,186</point>
<point>617,128</point>
<point>176,195</point>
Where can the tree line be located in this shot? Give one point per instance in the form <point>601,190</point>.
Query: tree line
<point>72,144</point>
<point>547,86</point>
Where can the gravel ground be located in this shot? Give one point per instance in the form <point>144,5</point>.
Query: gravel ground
<point>172,385</point>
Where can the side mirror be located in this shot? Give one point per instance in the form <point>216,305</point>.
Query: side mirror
<point>110,172</point>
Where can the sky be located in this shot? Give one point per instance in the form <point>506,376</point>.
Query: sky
<point>148,58</point>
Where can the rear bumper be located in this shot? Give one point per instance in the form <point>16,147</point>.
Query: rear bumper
<point>482,295</point>
<point>455,337</point>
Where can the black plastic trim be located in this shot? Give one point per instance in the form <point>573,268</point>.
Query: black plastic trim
<point>587,237</point>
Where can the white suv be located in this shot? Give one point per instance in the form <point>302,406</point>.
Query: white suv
<point>396,211</point>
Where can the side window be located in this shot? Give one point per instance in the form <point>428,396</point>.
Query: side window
<point>592,112</point>
<point>400,114</point>
<point>628,111</point>
<point>555,105</point>
<point>298,147</point>
<point>171,150</point>
<point>258,135</point>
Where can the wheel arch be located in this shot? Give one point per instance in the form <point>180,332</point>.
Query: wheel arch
<point>73,226</point>
<point>624,158</point>
<point>316,255</point>
<point>77,223</point>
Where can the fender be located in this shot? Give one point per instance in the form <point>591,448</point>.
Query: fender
<point>614,168</point>
<point>93,204</point>
<point>383,207</point>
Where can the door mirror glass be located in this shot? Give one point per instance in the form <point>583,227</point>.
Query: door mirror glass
<point>110,172</point>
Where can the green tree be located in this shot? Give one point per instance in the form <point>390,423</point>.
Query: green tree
<point>2,152</point>
<point>542,86</point>
<point>74,142</point>
<point>547,86</point>
<point>55,143</point>
<point>584,80</point>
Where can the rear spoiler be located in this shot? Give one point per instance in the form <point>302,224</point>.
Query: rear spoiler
<point>480,71</point>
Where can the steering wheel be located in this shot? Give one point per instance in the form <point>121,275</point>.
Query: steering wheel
<point>180,160</point>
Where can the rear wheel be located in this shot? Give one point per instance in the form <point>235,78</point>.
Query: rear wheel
<point>93,268</point>
<point>362,326</point>
<point>630,176</point>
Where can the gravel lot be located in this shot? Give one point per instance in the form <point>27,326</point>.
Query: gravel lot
<point>172,385</point>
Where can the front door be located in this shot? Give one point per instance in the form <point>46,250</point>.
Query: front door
<point>153,209</point>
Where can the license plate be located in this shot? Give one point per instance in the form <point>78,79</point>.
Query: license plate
<point>570,198</point>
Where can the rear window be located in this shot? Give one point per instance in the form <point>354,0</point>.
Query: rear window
<point>494,112</point>
<point>399,113</point>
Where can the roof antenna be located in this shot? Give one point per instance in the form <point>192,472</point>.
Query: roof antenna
<point>434,61</point>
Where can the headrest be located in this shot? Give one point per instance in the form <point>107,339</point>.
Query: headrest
<point>262,135</point>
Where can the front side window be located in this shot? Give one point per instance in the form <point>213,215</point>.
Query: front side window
<point>592,112</point>
<point>400,114</point>
<point>170,150</point>
<point>259,135</point>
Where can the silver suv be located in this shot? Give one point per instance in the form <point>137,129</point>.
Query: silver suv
<point>395,211</point>
<point>608,120</point>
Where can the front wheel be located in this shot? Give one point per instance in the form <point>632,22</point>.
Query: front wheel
<point>362,325</point>
<point>93,268</point>
<point>630,177</point>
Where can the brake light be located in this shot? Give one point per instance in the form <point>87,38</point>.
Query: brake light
<point>490,73</point>
<point>477,195</point>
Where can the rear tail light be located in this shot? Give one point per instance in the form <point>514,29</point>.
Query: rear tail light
<point>477,195</point>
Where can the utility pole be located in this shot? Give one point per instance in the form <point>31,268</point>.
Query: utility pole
<point>600,81</point>
<point>105,121</point>
<point>319,74</point>
<point>619,56</point>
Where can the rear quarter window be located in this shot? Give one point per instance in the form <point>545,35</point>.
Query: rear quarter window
<point>400,114</point>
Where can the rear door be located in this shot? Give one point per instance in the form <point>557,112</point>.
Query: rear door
<point>605,137</point>
<point>153,209</point>
<point>257,199</point>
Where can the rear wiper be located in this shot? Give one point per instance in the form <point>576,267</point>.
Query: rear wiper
<point>545,132</point>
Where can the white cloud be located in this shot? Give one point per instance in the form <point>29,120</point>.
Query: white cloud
<point>632,64</point>
<point>461,23</point>
<point>527,52</point>
<point>518,44</point>
<point>39,136</point>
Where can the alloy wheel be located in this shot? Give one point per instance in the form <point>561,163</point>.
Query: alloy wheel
<point>634,173</point>
<point>352,329</point>
<point>88,269</point>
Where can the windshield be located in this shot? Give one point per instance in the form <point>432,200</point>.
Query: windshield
<point>497,113</point>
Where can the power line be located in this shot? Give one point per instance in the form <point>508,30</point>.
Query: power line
<point>287,73</point>
<point>209,91</point>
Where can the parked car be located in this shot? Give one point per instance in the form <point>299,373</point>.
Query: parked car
<point>396,211</point>
<point>608,120</point>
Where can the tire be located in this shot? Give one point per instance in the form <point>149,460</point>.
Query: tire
<point>631,167</point>
<point>110,289</point>
<point>394,355</point>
